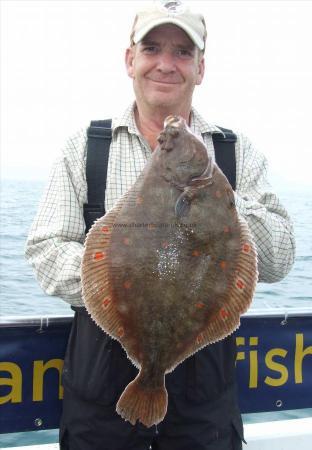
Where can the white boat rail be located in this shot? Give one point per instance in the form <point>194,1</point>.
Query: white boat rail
<point>277,435</point>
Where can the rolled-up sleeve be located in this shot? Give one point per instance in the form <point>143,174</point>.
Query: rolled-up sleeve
<point>267,218</point>
<point>55,243</point>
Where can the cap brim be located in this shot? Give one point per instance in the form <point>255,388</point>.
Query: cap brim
<point>139,35</point>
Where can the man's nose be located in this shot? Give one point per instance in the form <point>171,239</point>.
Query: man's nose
<point>166,62</point>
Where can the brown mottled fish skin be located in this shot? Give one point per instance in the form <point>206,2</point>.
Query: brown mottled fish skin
<point>170,268</point>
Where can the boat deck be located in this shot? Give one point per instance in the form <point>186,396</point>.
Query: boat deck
<point>277,435</point>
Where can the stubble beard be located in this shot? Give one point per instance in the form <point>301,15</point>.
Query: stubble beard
<point>162,103</point>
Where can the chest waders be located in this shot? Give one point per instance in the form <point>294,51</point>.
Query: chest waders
<point>96,368</point>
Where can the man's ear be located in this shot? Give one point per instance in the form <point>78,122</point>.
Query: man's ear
<point>129,58</point>
<point>201,69</point>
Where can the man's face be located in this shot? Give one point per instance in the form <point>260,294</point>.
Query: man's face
<point>165,67</point>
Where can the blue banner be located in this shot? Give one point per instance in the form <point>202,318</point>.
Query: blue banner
<point>274,363</point>
<point>274,369</point>
<point>31,361</point>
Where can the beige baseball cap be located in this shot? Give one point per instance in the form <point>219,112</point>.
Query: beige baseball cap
<point>175,12</point>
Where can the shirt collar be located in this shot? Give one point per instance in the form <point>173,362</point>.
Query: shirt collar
<point>126,120</point>
<point>198,124</point>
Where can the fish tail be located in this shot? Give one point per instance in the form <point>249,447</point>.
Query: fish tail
<point>146,404</point>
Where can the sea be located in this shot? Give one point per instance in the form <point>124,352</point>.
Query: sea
<point>20,294</point>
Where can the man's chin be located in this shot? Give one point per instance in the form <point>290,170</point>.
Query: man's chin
<point>161,100</point>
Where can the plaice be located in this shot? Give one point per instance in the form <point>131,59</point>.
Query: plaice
<point>170,269</point>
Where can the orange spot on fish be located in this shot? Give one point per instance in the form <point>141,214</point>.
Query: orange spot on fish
<point>126,241</point>
<point>200,305</point>
<point>226,229</point>
<point>223,265</point>
<point>246,248</point>
<point>218,194</point>
<point>139,200</point>
<point>195,252</point>
<point>240,284</point>
<point>105,229</point>
<point>224,314</point>
<point>127,284</point>
<point>98,256</point>
<point>200,338</point>
<point>151,226</point>
<point>120,332</point>
<point>106,302</point>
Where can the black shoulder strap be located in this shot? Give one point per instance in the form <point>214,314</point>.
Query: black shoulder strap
<point>225,154</point>
<point>99,136</point>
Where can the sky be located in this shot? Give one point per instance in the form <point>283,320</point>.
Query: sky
<point>62,65</point>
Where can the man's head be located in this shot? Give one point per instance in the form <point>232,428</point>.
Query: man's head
<point>165,59</point>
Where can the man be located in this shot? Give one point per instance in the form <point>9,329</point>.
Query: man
<point>166,62</point>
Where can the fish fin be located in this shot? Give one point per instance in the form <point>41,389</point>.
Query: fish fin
<point>239,296</point>
<point>183,205</point>
<point>148,405</point>
<point>95,275</point>
<point>190,192</point>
